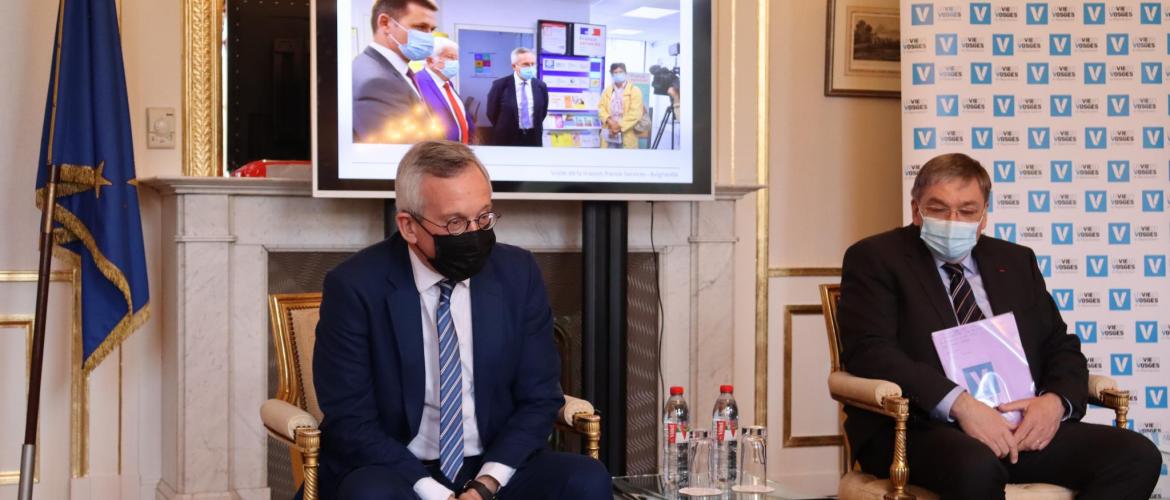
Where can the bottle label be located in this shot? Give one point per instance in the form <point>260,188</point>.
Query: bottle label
<point>724,431</point>
<point>676,433</point>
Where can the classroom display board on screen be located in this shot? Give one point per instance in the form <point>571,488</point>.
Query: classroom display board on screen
<point>1065,103</point>
<point>379,87</point>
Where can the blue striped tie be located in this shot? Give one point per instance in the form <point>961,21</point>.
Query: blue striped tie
<point>525,114</point>
<point>450,387</point>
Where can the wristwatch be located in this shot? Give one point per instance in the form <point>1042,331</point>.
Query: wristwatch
<point>484,492</point>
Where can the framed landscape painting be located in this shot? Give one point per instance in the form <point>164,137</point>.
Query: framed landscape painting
<point>862,48</point>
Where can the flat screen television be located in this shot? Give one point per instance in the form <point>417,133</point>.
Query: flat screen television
<point>661,148</point>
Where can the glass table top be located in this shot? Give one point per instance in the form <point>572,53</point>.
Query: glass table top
<point>651,487</point>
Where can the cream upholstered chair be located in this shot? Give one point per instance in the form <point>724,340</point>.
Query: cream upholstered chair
<point>885,398</point>
<point>293,415</point>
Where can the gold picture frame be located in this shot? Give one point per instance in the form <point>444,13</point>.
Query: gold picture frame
<point>863,49</point>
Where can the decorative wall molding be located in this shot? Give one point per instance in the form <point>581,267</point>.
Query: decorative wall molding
<point>791,441</point>
<point>202,21</point>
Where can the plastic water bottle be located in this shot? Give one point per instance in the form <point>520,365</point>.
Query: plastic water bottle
<point>675,426</point>
<point>725,426</point>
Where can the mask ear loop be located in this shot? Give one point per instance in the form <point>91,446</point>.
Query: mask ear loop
<point>401,27</point>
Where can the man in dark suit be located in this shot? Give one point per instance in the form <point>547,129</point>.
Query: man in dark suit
<point>518,103</point>
<point>435,364</point>
<point>900,286</point>
<point>386,103</point>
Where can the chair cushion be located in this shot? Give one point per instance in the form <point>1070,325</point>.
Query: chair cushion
<point>861,486</point>
<point>304,327</point>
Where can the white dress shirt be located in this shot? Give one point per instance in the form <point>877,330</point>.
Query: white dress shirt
<point>443,84</point>
<point>401,65</point>
<point>527,91</point>
<point>425,445</point>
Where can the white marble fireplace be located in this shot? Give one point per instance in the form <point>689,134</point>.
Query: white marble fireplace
<point>217,234</point>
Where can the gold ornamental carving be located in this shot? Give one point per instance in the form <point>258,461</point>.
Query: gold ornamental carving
<point>201,89</point>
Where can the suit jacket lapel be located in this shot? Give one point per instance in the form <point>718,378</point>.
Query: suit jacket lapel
<point>389,67</point>
<point>406,316</point>
<point>922,263</point>
<point>993,274</point>
<point>487,312</point>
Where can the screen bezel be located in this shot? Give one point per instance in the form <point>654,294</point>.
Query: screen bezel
<point>327,183</point>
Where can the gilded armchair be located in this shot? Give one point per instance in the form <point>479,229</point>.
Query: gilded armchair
<point>885,398</point>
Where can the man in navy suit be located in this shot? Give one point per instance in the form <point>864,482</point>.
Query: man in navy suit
<point>438,90</point>
<point>518,103</point>
<point>435,364</point>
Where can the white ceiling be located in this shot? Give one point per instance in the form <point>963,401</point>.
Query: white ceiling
<point>609,13</point>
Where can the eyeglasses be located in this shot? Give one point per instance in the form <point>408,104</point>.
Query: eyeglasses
<point>456,226</point>
<point>966,214</point>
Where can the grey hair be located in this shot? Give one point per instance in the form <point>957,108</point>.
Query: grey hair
<point>519,51</point>
<point>441,44</point>
<point>442,159</point>
<point>950,166</point>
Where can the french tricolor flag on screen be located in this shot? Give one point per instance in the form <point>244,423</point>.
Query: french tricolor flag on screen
<point>591,31</point>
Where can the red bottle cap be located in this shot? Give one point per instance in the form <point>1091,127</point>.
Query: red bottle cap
<point>676,390</point>
<point>726,388</point>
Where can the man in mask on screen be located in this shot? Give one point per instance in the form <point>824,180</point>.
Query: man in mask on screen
<point>387,107</point>
<point>435,364</point>
<point>900,286</point>
<point>517,104</point>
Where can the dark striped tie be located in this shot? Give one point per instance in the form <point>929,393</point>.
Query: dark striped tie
<point>966,309</point>
<point>450,387</point>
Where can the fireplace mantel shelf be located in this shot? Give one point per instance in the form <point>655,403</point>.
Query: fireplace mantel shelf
<point>254,186</point>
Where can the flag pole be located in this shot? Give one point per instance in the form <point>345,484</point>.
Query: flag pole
<point>28,451</point>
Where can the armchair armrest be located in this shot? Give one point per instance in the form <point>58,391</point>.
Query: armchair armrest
<point>1103,391</point>
<point>578,415</point>
<point>298,429</point>
<point>885,398</point>
<point>865,393</point>
<point>282,419</point>
<point>573,406</point>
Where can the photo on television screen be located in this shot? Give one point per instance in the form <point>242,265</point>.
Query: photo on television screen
<point>606,99</point>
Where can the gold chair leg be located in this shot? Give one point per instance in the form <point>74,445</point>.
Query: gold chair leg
<point>899,470</point>
<point>589,425</point>
<point>309,441</point>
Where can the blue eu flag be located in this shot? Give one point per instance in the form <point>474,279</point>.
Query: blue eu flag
<point>96,223</point>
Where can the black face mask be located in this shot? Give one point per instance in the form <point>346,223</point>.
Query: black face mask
<point>460,257</point>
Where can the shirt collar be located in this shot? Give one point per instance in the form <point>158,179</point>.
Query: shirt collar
<point>426,278</point>
<point>516,77</point>
<point>439,81</point>
<point>396,60</point>
<point>968,263</point>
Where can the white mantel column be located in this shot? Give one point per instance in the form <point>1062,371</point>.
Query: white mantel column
<point>196,364</point>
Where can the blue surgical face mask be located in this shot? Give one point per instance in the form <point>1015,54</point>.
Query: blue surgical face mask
<point>950,240</point>
<point>528,72</point>
<point>450,69</point>
<point>418,44</point>
<point>619,78</point>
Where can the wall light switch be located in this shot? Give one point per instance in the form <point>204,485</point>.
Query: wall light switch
<point>160,128</point>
